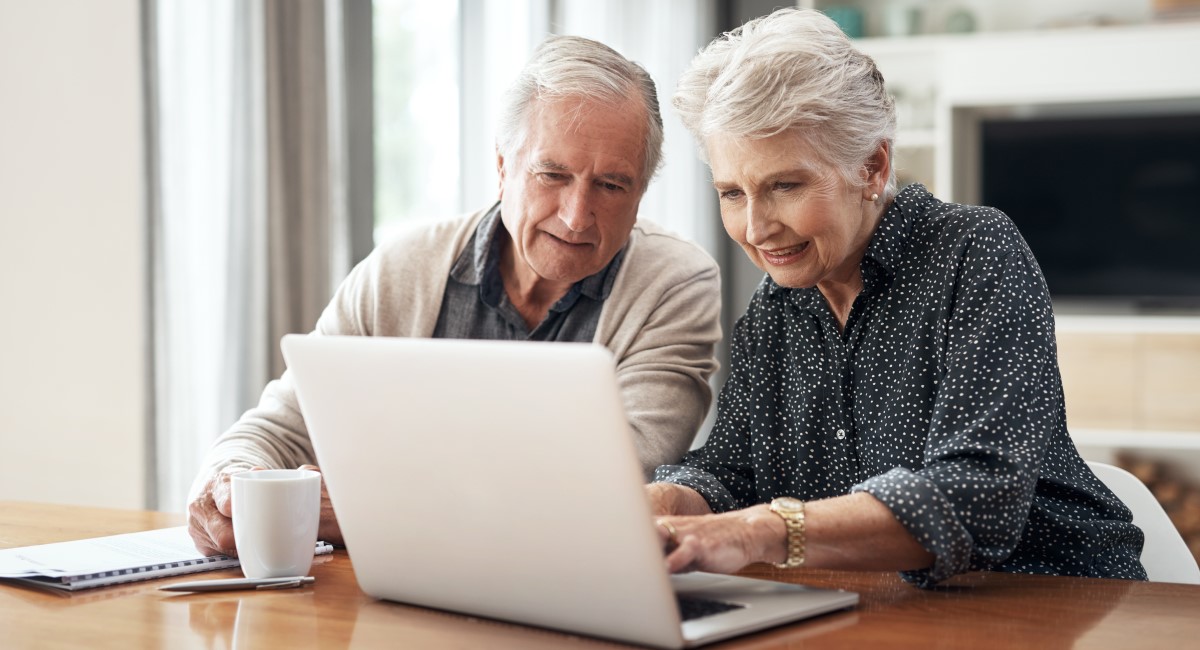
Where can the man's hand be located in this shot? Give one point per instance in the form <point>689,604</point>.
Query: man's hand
<point>328,530</point>
<point>210,516</point>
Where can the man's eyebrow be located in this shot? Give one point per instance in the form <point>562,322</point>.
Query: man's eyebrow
<point>620,179</point>
<point>551,166</point>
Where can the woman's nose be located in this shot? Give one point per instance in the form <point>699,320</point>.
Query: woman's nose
<point>760,224</point>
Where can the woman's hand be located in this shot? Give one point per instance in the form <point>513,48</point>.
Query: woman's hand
<point>854,532</point>
<point>723,543</point>
<point>672,499</point>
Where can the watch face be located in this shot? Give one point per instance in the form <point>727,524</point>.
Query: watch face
<point>787,503</point>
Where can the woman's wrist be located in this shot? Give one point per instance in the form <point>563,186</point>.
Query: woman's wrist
<point>769,534</point>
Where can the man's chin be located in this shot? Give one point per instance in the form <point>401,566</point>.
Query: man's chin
<point>566,272</point>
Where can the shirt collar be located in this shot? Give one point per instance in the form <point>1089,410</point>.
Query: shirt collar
<point>479,264</point>
<point>891,236</point>
<point>884,252</point>
<point>472,264</point>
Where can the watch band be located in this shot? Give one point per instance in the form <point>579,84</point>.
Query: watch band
<point>791,510</point>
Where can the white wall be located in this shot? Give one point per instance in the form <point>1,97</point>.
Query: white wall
<point>72,272</point>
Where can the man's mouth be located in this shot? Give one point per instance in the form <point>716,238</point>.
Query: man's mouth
<point>567,242</point>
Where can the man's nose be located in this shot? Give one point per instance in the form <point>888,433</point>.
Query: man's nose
<point>576,210</point>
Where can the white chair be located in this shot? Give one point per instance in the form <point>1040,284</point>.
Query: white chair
<point>1165,555</point>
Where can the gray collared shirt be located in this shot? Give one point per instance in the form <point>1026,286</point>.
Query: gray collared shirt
<point>475,305</point>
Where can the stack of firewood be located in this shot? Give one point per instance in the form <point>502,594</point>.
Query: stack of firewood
<point>1180,498</point>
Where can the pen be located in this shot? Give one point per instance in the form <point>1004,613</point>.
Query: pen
<point>241,583</point>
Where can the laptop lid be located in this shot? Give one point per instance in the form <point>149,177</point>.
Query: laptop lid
<point>493,478</point>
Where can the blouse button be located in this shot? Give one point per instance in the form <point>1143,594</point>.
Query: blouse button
<point>841,434</point>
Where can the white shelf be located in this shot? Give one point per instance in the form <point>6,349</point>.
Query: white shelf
<point>1133,439</point>
<point>1126,324</point>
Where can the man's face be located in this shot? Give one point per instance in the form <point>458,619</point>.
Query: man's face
<point>569,197</point>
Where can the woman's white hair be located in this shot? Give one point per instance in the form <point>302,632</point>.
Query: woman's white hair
<point>791,70</point>
<point>569,67</point>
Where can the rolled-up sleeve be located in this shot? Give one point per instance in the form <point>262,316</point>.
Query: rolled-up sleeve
<point>992,417</point>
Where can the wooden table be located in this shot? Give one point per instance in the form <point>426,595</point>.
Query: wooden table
<point>982,610</point>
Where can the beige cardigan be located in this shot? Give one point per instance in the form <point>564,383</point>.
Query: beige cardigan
<point>661,322</point>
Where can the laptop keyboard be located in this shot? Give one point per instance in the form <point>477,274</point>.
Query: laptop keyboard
<point>693,608</point>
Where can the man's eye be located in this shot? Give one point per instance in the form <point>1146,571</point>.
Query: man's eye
<point>612,187</point>
<point>730,195</point>
<point>784,186</point>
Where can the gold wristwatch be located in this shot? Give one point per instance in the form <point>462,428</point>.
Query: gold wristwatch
<point>791,510</point>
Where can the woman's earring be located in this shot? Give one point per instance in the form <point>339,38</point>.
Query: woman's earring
<point>874,198</point>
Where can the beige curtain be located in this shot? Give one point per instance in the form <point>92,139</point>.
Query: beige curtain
<point>307,216</point>
<point>261,199</point>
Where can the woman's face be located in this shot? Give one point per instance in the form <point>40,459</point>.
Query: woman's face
<point>793,214</point>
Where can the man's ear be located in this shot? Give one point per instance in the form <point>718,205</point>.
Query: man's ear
<point>500,170</point>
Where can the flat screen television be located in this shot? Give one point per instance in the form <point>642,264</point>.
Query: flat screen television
<point>1110,206</point>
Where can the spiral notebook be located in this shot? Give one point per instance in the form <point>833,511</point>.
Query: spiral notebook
<point>112,560</point>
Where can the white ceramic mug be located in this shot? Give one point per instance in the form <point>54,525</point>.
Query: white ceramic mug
<point>275,518</point>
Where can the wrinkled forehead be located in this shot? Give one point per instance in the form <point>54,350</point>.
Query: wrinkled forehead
<point>727,153</point>
<point>569,113</point>
<point>617,128</point>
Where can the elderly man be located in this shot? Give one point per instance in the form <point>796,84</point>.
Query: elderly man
<point>561,257</point>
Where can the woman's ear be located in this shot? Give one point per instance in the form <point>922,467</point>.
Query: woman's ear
<point>878,169</point>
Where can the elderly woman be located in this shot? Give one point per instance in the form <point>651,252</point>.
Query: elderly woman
<point>894,401</point>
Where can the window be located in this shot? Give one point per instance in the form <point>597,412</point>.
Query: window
<point>416,77</point>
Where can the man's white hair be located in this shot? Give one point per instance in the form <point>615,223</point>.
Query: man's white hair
<point>572,67</point>
<point>791,70</point>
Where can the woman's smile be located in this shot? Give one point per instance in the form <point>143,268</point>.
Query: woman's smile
<point>783,256</point>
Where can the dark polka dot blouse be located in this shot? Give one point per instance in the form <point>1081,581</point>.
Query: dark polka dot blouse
<point>942,399</point>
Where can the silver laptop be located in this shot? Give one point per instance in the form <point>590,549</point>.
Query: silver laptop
<point>499,479</point>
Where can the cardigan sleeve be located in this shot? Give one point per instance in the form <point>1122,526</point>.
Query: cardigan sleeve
<point>395,291</point>
<point>273,434</point>
<point>662,322</point>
